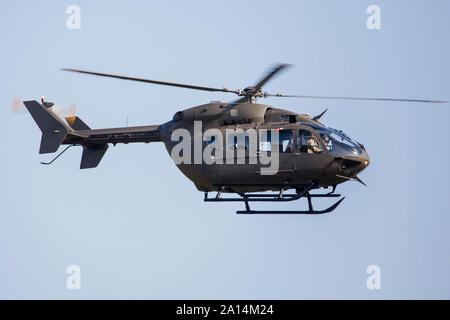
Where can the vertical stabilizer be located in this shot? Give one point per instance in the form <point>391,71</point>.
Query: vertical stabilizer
<point>53,129</point>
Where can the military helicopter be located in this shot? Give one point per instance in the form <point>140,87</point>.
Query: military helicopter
<point>308,154</point>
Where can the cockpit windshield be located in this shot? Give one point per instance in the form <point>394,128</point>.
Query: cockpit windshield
<point>337,142</point>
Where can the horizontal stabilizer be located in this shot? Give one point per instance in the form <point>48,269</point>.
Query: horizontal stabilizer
<point>76,123</point>
<point>53,129</point>
<point>92,155</point>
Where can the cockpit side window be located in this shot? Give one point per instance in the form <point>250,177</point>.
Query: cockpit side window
<point>286,140</point>
<point>307,143</point>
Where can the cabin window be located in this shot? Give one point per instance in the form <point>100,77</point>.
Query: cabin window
<point>265,142</point>
<point>307,143</point>
<point>237,141</point>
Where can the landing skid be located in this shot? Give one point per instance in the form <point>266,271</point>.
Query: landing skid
<point>279,197</point>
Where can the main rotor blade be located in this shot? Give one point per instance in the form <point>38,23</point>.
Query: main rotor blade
<point>272,73</point>
<point>356,98</point>
<point>164,83</point>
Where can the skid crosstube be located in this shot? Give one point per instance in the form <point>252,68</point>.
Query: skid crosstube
<point>302,192</point>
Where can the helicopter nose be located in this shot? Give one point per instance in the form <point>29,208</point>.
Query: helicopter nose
<point>365,157</point>
<point>364,161</point>
<point>350,167</point>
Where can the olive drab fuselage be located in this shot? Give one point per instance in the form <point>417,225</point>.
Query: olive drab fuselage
<point>296,166</point>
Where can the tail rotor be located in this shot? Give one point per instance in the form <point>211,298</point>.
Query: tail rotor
<point>63,111</point>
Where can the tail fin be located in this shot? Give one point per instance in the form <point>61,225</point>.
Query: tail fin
<point>54,130</point>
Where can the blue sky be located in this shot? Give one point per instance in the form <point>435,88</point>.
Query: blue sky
<point>139,229</point>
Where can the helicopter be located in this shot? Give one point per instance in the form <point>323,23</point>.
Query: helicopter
<point>256,152</point>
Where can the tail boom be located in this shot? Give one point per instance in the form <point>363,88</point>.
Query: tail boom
<point>56,132</point>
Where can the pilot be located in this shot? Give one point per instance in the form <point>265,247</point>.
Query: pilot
<point>303,139</point>
<point>313,146</point>
<point>326,141</point>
